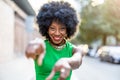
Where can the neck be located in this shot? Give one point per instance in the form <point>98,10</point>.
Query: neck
<point>60,44</point>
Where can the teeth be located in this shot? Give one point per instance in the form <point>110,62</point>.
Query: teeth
<point>56,38</point>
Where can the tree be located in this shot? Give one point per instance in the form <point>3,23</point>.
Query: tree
<point>112,15</point>
<point>93,24</point>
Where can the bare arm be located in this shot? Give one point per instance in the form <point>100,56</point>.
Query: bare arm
<point>64,65</point>
<point>76,60</point>
<point>36,48</point>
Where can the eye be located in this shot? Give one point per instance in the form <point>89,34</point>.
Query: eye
<point>52,28</point>
<point>63,28</point>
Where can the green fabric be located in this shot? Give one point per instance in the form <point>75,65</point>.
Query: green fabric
<point>52,55</point>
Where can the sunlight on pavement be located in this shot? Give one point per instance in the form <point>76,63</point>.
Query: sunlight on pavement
<point>19,69</point>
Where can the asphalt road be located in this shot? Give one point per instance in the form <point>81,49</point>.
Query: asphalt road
<point>91,69</point>
<point>94,69</point>
<point>17,69</point>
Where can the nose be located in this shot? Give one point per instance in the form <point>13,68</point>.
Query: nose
<point>57,32</point>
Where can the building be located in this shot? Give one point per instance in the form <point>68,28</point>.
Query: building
<point>16,30</point>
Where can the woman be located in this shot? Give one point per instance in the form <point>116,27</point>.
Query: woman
<point>57,22</point>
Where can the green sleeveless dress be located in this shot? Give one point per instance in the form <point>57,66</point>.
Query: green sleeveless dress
<point>52,55</point>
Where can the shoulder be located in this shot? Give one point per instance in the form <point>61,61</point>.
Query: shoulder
<point>46,41</point>
<point>73,47</point>
<point>70,46</point>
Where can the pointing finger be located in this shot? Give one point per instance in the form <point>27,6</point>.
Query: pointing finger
<point>51,75</point>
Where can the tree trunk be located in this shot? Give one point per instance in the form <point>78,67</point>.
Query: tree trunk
<point>104,39</point>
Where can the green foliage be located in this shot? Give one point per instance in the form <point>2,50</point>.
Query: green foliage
<point>99,20</point>
<point>112,13</point>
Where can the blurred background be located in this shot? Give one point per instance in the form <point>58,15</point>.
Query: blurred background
<point>99,34</point>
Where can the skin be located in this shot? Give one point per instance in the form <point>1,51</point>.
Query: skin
<point>58,33</point>
<point>36,49</point>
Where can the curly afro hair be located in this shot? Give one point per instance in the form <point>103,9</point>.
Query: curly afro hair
<point>61,12</point>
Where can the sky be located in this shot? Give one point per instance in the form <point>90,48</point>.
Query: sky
<point>36,4</point>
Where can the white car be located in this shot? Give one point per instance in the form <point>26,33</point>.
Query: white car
<point>109,53</point>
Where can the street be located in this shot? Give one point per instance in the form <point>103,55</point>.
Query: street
<point>91,69</point>
<point>19,68</point>
<point>94,69</point>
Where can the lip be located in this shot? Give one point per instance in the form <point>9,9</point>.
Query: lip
<point>57,38</point>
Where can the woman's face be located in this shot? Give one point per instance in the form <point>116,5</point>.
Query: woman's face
<point>57,33</point>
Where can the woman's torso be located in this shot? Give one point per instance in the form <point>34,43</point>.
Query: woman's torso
<point>51,56</point>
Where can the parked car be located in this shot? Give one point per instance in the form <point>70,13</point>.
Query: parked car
<point>109,53</point>
<point>92,52</point>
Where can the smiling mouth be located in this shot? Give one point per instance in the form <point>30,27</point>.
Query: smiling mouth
<point>56,38</point>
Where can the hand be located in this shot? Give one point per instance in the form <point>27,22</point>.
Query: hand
<point>63,66</point>
<point>83,48</point>
<point>36,48</point>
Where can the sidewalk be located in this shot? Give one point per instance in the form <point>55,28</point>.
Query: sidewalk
<point>18,69</point>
